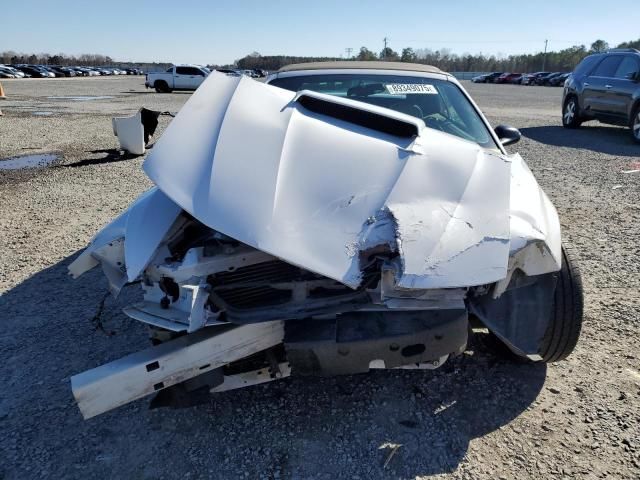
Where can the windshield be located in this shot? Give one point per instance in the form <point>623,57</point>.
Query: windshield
<point>441,104</point>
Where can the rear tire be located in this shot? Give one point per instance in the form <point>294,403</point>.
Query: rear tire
<point>634,124</point>
<point>162,87</point>
<point>566,321</point>
<point>571,113</point>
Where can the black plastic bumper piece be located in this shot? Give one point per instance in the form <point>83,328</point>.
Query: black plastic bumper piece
<point>348,344</point>
<point>521,315</point>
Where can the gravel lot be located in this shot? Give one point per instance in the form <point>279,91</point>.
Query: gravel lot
<point>476,417</point>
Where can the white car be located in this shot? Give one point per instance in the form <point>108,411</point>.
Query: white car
<point>337,218</point>
<point>88,72</point>
<point>179,77</point>
<point>12,71</point>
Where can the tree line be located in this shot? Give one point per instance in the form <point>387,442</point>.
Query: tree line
<point>561,60</point>
<point>86,59</point>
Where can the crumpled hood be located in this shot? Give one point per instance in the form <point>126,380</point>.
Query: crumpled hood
<point>247,160</point>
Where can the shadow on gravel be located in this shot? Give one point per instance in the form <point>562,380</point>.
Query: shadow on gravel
<point>151,90</point>
<point>603,139</point>
<point>112,155</point>
<point>296,428</point>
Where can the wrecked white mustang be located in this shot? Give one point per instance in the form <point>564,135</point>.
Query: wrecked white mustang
<point>340,218</point>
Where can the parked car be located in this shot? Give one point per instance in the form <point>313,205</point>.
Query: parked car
<point>68,72</point>
<point>292,237</point>
<point>19,69</point>
<point>79,72</point>
<point>45,69</point>
<point>605,87</point>
<point>530,78</point>
<point>508,77</point>
<point>47,73</point>
<point>33,72</point>
<point>13,71</point>
<point>525,78</point>
<point>544,79</point>
<point>516,79</point>
<point>486,78</point>
<point>179,77</point>
<point>228,71</point>
<point>559,80</point>
<point>57,71</point>
<point>6,73</point>
<point>89,72</point>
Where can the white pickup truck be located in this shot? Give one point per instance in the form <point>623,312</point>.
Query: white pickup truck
<point>178,77</point>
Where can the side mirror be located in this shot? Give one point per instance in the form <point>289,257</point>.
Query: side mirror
<point>507,135</point>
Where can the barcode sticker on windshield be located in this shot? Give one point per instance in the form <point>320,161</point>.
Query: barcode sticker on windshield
<point>404,88</point>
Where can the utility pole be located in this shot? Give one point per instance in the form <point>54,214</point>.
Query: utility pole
<point>544,57</point>
<point>348,50</point>
<point>385,40</point>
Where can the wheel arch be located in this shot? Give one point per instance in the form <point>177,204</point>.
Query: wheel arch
<point>635,105</point>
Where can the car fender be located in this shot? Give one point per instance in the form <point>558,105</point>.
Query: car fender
<point>125,246</point>
<point>535,236</point>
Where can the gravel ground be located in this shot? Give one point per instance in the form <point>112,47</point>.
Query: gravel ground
<point>476,417</point>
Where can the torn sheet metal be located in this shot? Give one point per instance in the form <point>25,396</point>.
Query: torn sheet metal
<point>533,217</point>
<point>452,215</point>
<point>535,246</point>
<point>148,222</point>
<point>106,248</point>
<point>144,225</point>
<point>302,186</point>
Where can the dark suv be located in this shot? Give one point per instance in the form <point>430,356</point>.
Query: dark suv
<point>606,87</point>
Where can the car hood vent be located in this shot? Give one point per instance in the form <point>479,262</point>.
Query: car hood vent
<point>361,113</point>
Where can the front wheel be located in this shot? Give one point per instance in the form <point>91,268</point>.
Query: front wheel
<point>634,124</point>
<point>565,324</point>
<point>571,113</point>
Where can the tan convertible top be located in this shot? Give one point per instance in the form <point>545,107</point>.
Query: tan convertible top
<point>375,65</point>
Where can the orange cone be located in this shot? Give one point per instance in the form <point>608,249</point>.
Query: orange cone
<point>2,97</point>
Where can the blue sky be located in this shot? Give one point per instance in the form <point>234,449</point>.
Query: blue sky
<point>197,31</point>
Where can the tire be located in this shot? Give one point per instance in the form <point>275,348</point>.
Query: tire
<point>571,113</point>
<point>565,324</point>
<point>162,87</point>
<point>634,124</point>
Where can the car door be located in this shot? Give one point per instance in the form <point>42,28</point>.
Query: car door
<point>597,84</point>
<point>182,78</point>
<point>621,87</point>
<point>196,76</point>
